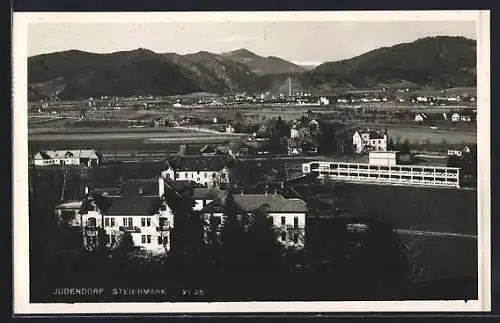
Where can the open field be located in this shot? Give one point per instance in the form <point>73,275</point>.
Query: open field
<point>422,135</point>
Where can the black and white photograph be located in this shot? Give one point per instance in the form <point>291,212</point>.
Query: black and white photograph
<point>251,162</point>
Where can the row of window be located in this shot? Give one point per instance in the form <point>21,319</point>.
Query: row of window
<point>129,222</point>
<point>146,239</point>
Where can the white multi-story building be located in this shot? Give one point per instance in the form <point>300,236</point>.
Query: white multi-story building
<point>387,173</point>
<point>368,140</point>
<point>148,220</point>
<point>207,171</point>
<point>287,216</point>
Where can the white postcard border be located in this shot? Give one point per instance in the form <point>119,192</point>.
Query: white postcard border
<point>20,177</point>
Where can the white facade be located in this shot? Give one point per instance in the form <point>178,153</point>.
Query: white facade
<point>289,225</point>
<point>398,174</point>
<point>148,232</point>
<point>66,157</point>
<point>362,141</point>
<point>382,157</point>
<point>207,178</point>
<point>229,129</point>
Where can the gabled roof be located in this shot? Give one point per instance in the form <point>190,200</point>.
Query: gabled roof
<point>372,134</point>
<point>203,193</point>
<point>272,202</point>
<point>70,205</point>
<point>140,205</point>
<point>81,153</point>
<point>216,206</point>
<point>201,163</point>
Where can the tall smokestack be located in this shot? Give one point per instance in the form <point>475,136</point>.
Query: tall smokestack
<point>289,86</point>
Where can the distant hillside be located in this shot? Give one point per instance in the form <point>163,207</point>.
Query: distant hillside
<point>234,75</point>
<point>263,65</point>
<point>434,61</point>
<point>81,74</point>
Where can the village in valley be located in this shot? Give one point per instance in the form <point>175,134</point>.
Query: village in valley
<point>213,180</point>
<point>280,178</point>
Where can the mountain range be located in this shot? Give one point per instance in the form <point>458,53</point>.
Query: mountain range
<point>433,61</point>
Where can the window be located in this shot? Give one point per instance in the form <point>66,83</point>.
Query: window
<point>113,239</point>
<point>106,222</point>
<point>168,175</point>
<point>143,222</point>
<point>113,222</point>
<point>295,237</point>
<point>143,238</point>
<point>283,220</point>
<point>177,175</point>
<point>283,236</point>
<point>205,175</point>
<point>164,222</point>
<point>125,222</point>
<point>296,222</point>
<point>160,240</point>
<point>130,222</point>
<point>148,222</point>
<point>91,222</point>
<point>185,175</point>
<point>148,237</point>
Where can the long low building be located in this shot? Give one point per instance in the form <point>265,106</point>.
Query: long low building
<point>386,174</point>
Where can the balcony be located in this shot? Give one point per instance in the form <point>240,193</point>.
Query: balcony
<point>130,229</point>
<point>91,228</point>
<point>162,229</point>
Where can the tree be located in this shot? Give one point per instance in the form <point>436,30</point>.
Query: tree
<point>232,236</point>
<point>102,241</point>
<point>390,144</point>
<point>125,243</point>
<point>405,146</point>
<point>262,243</point>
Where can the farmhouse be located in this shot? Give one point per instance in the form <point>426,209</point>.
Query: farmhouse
<point>420,117</point>
<point>367,140</point>
<point>286,216</point>
<point>87,157</point>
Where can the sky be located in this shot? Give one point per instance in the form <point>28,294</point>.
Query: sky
<point>302,42</point>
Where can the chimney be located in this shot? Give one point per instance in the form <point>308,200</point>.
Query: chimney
<point>161,186</point>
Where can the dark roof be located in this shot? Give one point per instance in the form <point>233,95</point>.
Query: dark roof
<point>107,191</point>
<point>373,133</point>
<point>148,187</point>
<point>200,163</point>
<point>206,193</point>
<point>272,202</point>
<point>216,206</point>
<point>140,205</point>
<point>182,185</point>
